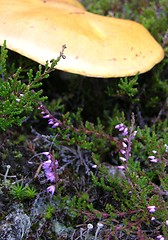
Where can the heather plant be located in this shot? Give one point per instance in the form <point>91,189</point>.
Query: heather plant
<point>133,181</point>
<point>50,167</point>
<point>96,152</point>
<point>20,94</point>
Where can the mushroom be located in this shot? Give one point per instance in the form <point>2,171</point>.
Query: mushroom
<point>97,46</point>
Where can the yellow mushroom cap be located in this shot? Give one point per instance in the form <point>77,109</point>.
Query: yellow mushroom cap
<point>97,46</point>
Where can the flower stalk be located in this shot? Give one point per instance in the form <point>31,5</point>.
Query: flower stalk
<point>50,167</point>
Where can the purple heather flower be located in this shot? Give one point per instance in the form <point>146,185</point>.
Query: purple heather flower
<point>94,166</point>
<point>134,133</point>
<point>50,166</point>
<point>153,159</point>
<point>160,237</point>
<point>151,209</point>
<point>51,119</point>
<point>50,175</point>
<point>121,167</point>
<point>55,125</point>
<point>125,132</point>
<point>47,154</point>
<point>124,145</point>
<point>123,159</point>
<point>122,128</point>
<point>154,151</point>
<point>47,164</point>
<point>51,189</point>
<point>128,135</point>
<point>123,151</point>
<point>46,116</point>
<point>125,140</point>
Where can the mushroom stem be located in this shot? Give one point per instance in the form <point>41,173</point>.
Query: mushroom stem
<point>99,226</point>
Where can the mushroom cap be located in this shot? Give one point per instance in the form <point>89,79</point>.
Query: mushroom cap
<point>97,46</point>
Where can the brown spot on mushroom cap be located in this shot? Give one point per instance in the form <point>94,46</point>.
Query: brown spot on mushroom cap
<point>37,29</point>
<point>112,59</point>
<point>73,3</point>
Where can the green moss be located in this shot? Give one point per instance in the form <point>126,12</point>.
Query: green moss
<point>21,193</point>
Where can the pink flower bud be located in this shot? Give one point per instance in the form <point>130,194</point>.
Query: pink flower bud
<point>123,159</point>
<point>151,209</point>
<point>121,167</point>
<point>51,189</point>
